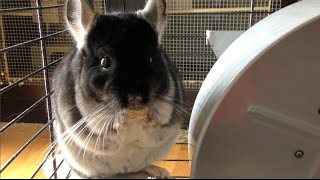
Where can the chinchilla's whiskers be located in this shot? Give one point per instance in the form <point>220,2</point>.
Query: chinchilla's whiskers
<point>171,92</point>
<point>158,105</point>
<point>106,129</point>
<point>101,129</point>
<point>110,114</point>
<point>79,134</point>
<point>110,111</point>
<point>168,97</point>
<point>49,150</point>
<point>109,129</point>
<point>88,138</point>
<point>179,106</point>
<point>55,142</point>
<point>180,112</point>
<point>65,136</point>
<point>113,142</point>
<point>55,148</point>
<point>84,121</point>
<point>162,106</point>
<point>79,123</point>
<point>107,111</point>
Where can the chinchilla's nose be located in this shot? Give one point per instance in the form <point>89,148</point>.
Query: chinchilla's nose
<point>135,101</point>
<point>134,98</point>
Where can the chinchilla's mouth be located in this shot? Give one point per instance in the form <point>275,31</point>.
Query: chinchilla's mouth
<point>137,112</point>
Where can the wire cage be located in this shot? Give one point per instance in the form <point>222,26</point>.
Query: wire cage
<point>34,39</point>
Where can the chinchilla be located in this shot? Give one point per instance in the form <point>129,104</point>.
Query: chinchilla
<point>118,64</point>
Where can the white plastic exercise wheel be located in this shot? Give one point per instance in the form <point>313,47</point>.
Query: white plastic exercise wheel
<point>257,114</point>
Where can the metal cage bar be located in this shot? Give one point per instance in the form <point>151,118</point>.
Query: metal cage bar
<point>43,161</point>
<point>46,77</point>
<point>7,88</point>
<point>24,146</point>
<point>54,173</point>
<point>251,12</point>
<point>44,69</point>
<point>29,8</point>
<point>219,13</point>
<point>31,41</point>
<point>21,115</point>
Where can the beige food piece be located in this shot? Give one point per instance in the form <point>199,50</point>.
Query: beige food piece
<point>137,113</point>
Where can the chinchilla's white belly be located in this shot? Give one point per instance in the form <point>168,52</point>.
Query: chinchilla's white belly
<point>143,144</point>
<point>140,146</point>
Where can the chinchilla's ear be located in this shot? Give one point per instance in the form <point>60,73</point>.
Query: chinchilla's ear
<point>155,13</point>
<point>79,17</point>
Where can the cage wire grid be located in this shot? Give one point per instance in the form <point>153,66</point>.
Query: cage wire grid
<point>34,39</point>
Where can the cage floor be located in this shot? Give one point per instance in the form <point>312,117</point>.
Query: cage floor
<point>27,162</point>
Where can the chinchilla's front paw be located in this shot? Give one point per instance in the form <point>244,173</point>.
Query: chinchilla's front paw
<point>151,120</point>
<point>157,118</point>
<point>156,172</point>
<point>119,122</point>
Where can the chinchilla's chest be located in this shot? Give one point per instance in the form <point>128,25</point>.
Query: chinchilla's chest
<point>141,134</point>
<point>142,145</point>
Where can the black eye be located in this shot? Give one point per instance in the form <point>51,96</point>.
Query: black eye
<point>105,62</point>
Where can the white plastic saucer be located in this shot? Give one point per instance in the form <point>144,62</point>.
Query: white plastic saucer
<point>257,114</point>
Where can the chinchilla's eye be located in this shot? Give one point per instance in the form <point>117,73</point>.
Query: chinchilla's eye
<point>105,62</point>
